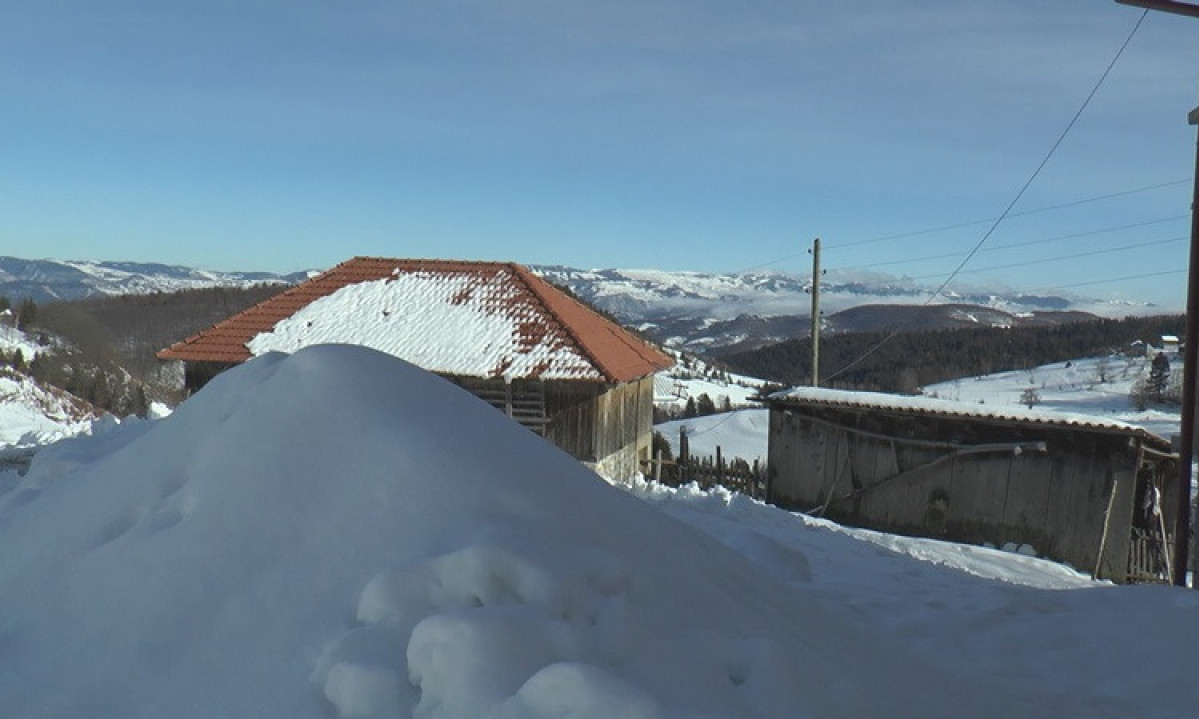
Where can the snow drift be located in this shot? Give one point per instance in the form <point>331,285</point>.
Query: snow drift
<point>338,533</point>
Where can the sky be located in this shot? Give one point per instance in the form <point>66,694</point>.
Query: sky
<point>669,134</point>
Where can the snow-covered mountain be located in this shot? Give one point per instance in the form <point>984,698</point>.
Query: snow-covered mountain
<point>698,311</point>
<point>49,280</point>
<point>705,311</point>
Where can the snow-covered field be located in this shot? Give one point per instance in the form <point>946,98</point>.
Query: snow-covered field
<point>742,433</point>
<point>1098,386</point>
<point>692,377</point>
<point>336,533</point>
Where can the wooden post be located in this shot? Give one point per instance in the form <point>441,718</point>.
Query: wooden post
<point>816,312</point>
<point>719,467</point>
<point>658,466</point>
<point>684,454</point>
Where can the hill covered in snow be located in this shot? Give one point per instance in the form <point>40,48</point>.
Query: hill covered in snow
<point>698,311</point>
<point>51,280</point>
<point>311,536</point>
<point>702,311</point>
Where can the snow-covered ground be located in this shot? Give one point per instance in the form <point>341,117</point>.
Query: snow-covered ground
<point>692,377</point>
<point>337,533</point>
<point>742,433</point>
<point>1098,386</point>
<point>13,339</point>
<point>32,416</point>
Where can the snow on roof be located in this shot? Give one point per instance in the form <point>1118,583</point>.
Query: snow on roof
<point>482,319</point>
<point>449,323</point>
<point>949,408</point>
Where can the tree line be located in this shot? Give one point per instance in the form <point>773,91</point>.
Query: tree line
<point>102,349</point>
<point>907,361</point>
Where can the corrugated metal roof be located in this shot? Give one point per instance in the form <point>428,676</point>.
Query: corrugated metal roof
<point>932,406</point>
<point>484,319</point>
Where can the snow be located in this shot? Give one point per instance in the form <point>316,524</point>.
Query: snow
<point>32,416</point>
<point>742,433</point>
<point>1095,388</point>
<point>338,533</point>
<point>936,405</point>
<point>406,315</point>
<point>13,339</point>
<point>691,377</point>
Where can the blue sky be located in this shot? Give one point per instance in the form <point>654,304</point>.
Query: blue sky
<point>676,134</point>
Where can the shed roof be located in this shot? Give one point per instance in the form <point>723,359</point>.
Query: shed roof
<point>481,319</point>
<point>935,407</point>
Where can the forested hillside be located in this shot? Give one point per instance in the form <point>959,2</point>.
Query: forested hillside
<point>102,349</point>
<point>910,360</point>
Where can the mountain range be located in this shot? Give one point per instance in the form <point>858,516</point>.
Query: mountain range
<point>697,311</point>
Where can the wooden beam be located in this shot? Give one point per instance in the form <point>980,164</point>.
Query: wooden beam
<point>1178,8</point>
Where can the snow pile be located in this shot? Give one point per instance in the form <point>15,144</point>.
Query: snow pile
<point>338,533</point>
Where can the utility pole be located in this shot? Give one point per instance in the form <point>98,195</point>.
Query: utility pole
<point>1190,354</point>
<point>815,312</point>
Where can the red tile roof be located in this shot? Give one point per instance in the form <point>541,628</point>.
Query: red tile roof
<point>538,311</point>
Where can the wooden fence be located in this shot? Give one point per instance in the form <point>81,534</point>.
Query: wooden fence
<point>735,474</point>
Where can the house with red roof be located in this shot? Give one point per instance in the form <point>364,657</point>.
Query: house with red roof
<point>494,328</point>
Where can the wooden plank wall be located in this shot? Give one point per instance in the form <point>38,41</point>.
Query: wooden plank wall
<point>624,428</point>
<point>1059,502</point>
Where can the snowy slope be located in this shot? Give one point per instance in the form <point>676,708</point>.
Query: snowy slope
<point>1097,386</point>
<point>31,415</point>
<point>336,533</point>
<point>742,433</point>
<point>691,377</point>
<point>701,311</point>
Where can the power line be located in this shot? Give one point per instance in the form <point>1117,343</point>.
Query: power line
<point>942,228</point>
<point>1024,213</point>
<point>1007,210</point>
<point>1013,245</point>
<point>1112,280</point>
<point>1060,258</point>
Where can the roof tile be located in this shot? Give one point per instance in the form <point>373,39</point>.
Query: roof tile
<point>429,311</point>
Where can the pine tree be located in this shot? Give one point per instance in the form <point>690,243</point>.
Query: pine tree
<point>27,315</point>
<point>1159,376</point>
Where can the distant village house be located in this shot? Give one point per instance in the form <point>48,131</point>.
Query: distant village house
<point>494,328</point>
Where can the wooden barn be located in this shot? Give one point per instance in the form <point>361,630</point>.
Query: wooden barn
<point>494,328</point>
<point>1080,490</point>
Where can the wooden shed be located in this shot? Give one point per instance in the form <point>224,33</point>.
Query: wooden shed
<point>495,328</point>
<point>1080,490</point>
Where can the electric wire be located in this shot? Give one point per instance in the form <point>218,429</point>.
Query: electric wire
<point>1024,213</point>
<point>1112,280</point>
<point>1007,210</point>
<point>1013,245</point>
<point>1062,258</point>
<point>971,223</point>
